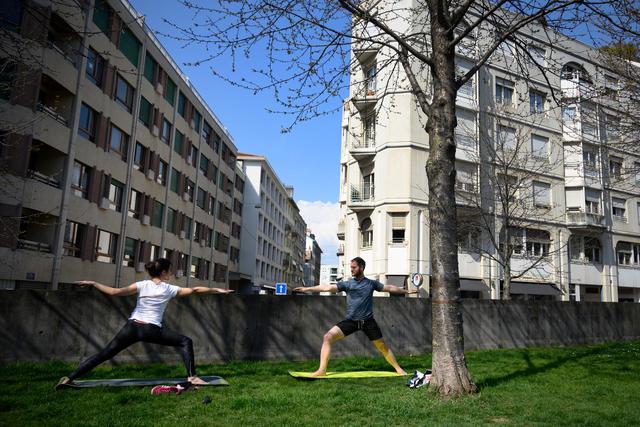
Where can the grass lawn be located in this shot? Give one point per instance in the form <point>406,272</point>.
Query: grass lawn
<point>586,385</point>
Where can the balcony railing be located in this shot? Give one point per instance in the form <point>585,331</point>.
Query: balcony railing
<point>45,179</point>
<point>30,245</point>
<point>362,193</point>
<point>584,219</point>
<point>53,113</point>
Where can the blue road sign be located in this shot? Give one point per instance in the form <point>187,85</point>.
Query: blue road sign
<point>281,288</point>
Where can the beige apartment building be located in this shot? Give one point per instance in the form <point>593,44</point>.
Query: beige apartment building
<point>110,157</point>
<point>582,235</point>
<point>273,231</point>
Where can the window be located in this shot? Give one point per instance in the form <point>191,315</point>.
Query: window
<point>116,191</point>
<point>398,227</point>
<point>171,220</point>
<point>118,142</point>
<point>465,132</point>
<point>638,211</point>
<point>149,67</point>
<point>370,130</point>
<point>466,177</point>
<point>177,142</point>
<point>466,91</point>
<point>504,91</point>
<point>138,155</point>
<point>190,189</point>
<point>592,202</point>
<point>170,92</point>
<point>106,247</point>
<point>370,79</point>
<point>540,146</point>
<point>161,173</point>
<point>536,102</point>
<point>135,204</point>
<point>7,76</point>
<point>541,194</point>
<point>569,115</point>
<point>72,238</point>
<point>624,253</point>
<point>201,199</point>
<point>11,15</point>
<point>101,15</point>
<point>207,131</point>
<point>193,155</point>
<point>506,48</point>
<point>619,209</point>
<point>212,205</point>
<point>124,93</point>
<point>615,167</point>
<point>196,120</point>
<point>144,114</point>
<point>194,271</point>
<point>590,159</point>
<point>611,128</point>
<point>366,233</point>
<point>129,251</point>
<point>538,242</point>
<point>537,55</point>
<point>612,86</point>
<point>95,67</point>
<point>175,181</point>
<point>506,138</point>
<point>186,225</point>
<point>182,103</point>
<point>129,46</point>
<point>80,179</point>
<point>87,125</point>
<point>204,165</point>
<point>158,212</point>
<point>592,249</point>
<point>155,252</point>
<point>165,133</point>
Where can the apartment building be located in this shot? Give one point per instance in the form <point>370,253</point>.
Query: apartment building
<point>312,260</point>
<point>273,231</point>
<point>581,240</point>
<point>110,157</point>
<point>328,274</point>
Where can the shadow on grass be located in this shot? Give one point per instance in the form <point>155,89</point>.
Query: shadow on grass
<point>532,369</point>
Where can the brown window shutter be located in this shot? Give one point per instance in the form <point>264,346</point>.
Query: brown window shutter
<point>178,224</point>
<point>89,242</point>
<point>26,86</point>
<point>174,260</point>
<point>108,79</point>
<point>146,205</point>
<point>210,170</point>
<point>164,79</point>
<point>106,185</point>
<point>101,131</point>
<point>186,148</point>
<point>152,206</point>
<point>141,206</point>
<point>157,118</point>
<point>9,225</point>
<point>95,181</point>
<point>106,146</point>
<point>115,28</point>
<point>156,163</point>
<point>150,161</point>
<point>35,21</point>
<point>18,151</point>
<point>156,75</point>
<point>146,160</point>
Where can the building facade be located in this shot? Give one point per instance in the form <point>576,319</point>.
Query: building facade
<point>328,274</point>
<point>110,156</point>
<point>312,260</point>
<point>272,236</point>
<point>579,237</point>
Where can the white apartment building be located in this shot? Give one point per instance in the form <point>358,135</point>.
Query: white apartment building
<point>329,274</point>
<point>584,221</point>
<point>273,233</point>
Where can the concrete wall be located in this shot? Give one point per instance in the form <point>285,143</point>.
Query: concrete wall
<point>70,325</point>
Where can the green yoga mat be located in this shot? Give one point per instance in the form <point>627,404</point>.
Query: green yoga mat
<point>355,374</point>
<point>211,381</point>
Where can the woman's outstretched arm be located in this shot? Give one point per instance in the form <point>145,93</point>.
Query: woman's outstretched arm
<point>109,290</point>
<point>183,292</point>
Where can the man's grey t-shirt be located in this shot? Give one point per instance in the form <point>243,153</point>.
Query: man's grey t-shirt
<point>359,297</point>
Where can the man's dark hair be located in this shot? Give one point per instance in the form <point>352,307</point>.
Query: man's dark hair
<point>360,262</point>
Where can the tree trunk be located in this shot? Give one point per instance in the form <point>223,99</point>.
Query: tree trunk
<point>450,374</point>
<point>506,288</point>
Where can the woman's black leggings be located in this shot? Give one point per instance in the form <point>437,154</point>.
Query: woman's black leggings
<point>134,332</point>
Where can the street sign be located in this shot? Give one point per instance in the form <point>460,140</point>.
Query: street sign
<point>281,288</point>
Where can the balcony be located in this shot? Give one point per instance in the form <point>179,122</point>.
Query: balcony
<point>362,197</point>
<point>363,149</point>
<point>37,231</point>
<point>581,220</point>
<point>46,164</point>
<point>340,233</point>
<point>574,86</point>
<point>55,101</point>
<point>365,96</point>
<point>340,250</point>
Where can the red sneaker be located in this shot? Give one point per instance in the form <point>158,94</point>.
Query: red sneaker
<point>162,389</point>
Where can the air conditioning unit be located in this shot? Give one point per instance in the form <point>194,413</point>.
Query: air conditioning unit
<point>203,242</point>
<point>188,159</point>
<point>159,88</point>
<point>104,203</point>
<point>179,273</point>
<point>155,130</point>
<point>140,267</point>
<point>146,220</point>
<point>151,174</point>
<point>182,234</point>
<point>185,196</point>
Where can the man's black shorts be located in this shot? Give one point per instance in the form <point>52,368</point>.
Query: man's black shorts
<point>369,327</point>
